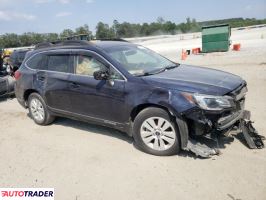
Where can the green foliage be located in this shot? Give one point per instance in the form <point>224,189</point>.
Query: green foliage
<point>66,33</point>
<point>123,30</point>
<point>104,31</point>
<point>83,30</point>
<point>26,39</point>
<point>127,30</point>
<point>235,22</point>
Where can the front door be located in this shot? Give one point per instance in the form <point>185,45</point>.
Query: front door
<point>98,99</point>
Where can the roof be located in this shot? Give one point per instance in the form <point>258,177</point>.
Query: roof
<point>80,44</point>
<point>22,50</point>
<point>106,44</point>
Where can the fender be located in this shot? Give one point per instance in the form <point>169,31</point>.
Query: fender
<point>176,104</point>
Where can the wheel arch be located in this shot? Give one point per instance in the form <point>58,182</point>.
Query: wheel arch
<point>27,93</point>
<point>180,121</point>
<point>137,109</point>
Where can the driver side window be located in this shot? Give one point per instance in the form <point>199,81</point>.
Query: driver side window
<point>87,65</point>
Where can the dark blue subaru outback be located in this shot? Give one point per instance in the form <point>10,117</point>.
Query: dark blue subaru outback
<point>161,104</point>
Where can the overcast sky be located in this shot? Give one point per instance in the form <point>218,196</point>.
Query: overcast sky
<point>45,16</point>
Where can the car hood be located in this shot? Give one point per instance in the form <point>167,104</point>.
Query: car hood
<point>196,80</point>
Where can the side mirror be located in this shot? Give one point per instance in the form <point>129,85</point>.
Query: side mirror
<point>101,75</point>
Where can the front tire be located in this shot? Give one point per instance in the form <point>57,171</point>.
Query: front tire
<point>156,133</point>
<point>38,110</point>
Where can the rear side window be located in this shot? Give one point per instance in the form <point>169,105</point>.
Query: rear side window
<point>60,63</point>
<point>37,61</point>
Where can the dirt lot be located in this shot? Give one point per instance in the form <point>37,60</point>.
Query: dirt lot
<point>83,161</point>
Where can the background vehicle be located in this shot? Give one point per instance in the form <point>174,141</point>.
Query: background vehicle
<point>161,104</point>
<point>6,85</point>
<point>5,57</point>
<point>12,59</point>
<point>1,62</point>
<point>16,58</point>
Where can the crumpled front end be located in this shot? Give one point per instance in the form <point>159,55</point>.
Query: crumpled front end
<point>213,124</point>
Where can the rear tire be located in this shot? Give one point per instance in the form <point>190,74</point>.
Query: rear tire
<point>156,132</point>
<point>38,110</point>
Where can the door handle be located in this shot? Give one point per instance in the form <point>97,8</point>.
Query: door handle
<point>74,85</point>
<point>41,78</point>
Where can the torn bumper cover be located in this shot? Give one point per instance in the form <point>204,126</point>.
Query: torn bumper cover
<point>239,119</point>
<point>217,123</point>
<point>253,139</point>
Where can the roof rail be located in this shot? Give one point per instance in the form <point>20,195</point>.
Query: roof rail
<point>73,42</point>
<point>112,39</point>
<point>43,45</point>
<point>61,43</point>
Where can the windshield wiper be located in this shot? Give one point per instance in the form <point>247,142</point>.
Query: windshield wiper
<point>158,71</point>
<point>168,67</point>
<point>145,74</point>
<point>171,66</point>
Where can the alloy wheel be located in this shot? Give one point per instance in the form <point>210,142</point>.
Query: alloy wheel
<point>158,133</point>
<point>37,109</point>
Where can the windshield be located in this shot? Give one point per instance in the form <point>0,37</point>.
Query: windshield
<point>138,60</point>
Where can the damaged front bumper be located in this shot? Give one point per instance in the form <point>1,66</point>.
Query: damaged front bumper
<point>212,125</point>
<point>253,139</point>
<point>242,122</point>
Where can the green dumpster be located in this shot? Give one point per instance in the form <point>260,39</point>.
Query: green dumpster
<point>216,38</point>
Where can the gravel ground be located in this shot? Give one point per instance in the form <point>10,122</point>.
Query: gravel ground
<point>84,161</point>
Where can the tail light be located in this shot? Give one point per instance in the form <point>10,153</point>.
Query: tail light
<point>17,74</point>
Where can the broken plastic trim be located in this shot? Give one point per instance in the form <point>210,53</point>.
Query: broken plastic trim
<point>252,138</point>
<point>201,150</point>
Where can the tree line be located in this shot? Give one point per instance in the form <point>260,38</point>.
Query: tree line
<point>30,38</point>
<point>122,30</point>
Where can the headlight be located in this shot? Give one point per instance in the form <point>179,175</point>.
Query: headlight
<point>210,102</point>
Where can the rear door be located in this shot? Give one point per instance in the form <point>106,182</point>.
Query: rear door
<point>98,99</point>
<point>55,78</point>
